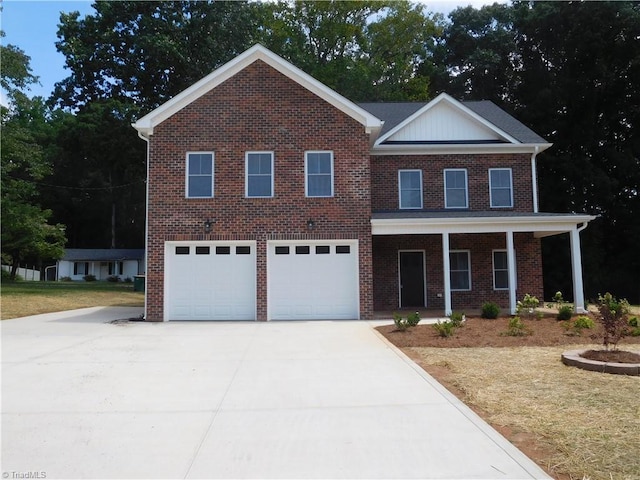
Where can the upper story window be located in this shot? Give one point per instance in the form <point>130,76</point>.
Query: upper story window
<point>455,188</point>
<point>319,174</point>
<point>259,174</point>
<point>460,269</point>
<point>199,174</point>
<point>500,187</point>
<point>410,188</point>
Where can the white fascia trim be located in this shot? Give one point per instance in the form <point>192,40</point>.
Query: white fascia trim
<point>448,98</point>
<point>452,149</point>
<point>146,124</point>
<point>541,226</point>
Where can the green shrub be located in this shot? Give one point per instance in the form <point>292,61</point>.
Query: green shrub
<point>89,278</point>
<point>65,279</point>
<point>565,312</point>
<point>457,319</point>
<point>576,326</point>
<point>634,323</point>
<point>583,322</point>
<point>128,280</point>
<point>6,276</point>
<point>113,279</point>
<point>517,328</point>
<point>445,329</point>
<point>528,306</point>
<point>490,310</point>
<point>401,323</point>
<point>413,319</point>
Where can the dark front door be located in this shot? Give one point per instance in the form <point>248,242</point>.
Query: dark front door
<point>412,279</point>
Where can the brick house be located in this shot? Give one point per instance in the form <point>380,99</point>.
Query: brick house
<point>272,197</point>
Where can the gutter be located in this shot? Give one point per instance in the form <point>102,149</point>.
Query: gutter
<point>146,222</point>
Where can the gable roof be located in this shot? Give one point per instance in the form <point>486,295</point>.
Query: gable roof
<point>422,123</point>
<point>146,124</point>
<point>102,254</point>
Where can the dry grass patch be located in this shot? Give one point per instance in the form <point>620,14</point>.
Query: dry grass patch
<point>589,421</point>
<point>32,298</point>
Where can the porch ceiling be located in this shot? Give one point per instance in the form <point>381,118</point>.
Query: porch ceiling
<point>419,222</point>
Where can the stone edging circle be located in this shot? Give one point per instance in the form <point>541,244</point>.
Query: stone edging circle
<point>573,359</point>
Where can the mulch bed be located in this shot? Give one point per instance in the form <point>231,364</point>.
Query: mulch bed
<point>480,332</point>
<point>617,356</point>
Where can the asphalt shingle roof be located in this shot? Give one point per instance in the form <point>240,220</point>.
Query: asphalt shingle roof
<point>394,113</point>
<point>102,254</point>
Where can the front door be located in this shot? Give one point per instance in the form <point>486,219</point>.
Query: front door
<point>412,280</point>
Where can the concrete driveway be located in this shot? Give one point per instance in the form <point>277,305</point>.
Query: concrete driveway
<point>86,398</point>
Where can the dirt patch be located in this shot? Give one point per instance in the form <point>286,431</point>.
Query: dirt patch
<point>617,356</point>
<point>480,332</point>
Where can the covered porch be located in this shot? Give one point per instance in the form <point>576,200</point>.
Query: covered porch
<point>474,242</point>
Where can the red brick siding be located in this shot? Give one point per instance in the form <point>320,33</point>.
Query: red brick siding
<point>258,109</point>
<point>385,265</point>
<point>384,179</point>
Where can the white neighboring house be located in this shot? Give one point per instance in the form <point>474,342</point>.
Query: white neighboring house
<point>103,263</point>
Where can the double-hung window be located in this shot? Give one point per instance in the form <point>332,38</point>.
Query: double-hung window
<point>80,268</point>
<point>319,174</point>
<point>460,269</point>
<point>500,270</point>
<point>500,188</point>
<point>259,174</point>
<point>199,174</point>
<point>410,188</point>
<point>455,188</point>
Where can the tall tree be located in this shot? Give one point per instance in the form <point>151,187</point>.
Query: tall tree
<point>365,50</point>
<point>478,50</point>
<point>26,233</point>
<point>124,61</point>
<point>147,52</point>
<point>581,90</point>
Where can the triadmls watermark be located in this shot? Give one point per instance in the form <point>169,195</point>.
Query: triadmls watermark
<point>16,474</point>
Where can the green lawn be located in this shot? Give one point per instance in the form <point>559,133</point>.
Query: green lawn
<point>30,298</point>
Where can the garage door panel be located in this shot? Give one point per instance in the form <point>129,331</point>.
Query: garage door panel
<point>210,282</point>
<point>321,284</point>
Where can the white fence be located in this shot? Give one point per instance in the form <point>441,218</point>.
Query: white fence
<point>25,273</point>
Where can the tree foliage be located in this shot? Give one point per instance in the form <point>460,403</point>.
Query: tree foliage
<point>26,233</point>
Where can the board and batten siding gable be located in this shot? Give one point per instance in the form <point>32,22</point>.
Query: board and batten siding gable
<point>444,122</point>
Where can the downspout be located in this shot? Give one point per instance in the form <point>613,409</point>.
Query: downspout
<point>534,178</point>
<point>146,225</point>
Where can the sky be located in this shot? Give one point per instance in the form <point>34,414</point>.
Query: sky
<point>32,26</point>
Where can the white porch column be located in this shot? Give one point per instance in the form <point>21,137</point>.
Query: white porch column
<point>447,273</point>
<point>576,265</point>
<point>511,266</point>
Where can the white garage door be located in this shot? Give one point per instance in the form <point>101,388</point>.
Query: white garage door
<point>210,281</point>
<point>313,280</point>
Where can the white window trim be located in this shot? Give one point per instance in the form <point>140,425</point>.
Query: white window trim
<point>468,252</point>
<point>306,174</point>
<point>246,173</point>
<point>400,189</point>
<point>510,188</point>
<point>186,173</point>
<point>466,186</point>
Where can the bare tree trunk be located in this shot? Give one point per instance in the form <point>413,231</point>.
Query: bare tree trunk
<point>15,264</point>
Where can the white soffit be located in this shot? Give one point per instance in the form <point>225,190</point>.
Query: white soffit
<point>146,124</point>
<point>541,226</point>
<point>444,119</point>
